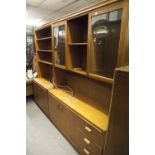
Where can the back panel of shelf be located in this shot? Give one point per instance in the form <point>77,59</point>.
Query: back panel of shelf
<point>43,33</point>
<point>78,55</point>
<point>45,56</point>
<point>44,44</point>
<point>85,87</point>
<point>78,29</point>
<point>46,71</point>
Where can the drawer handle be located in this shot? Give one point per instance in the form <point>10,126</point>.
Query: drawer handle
<point>88,129</point>
<point>86,141</point>
<point>86,151</point>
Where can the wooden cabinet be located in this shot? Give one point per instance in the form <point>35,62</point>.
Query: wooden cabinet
<point>118,131</point>
<point>78,55</point>
<point>83,135</point>
<point>105,30</point>
<point>41,97</point>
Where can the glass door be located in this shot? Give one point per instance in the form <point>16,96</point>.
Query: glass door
<point>105,35</point>
<point>60,45</point>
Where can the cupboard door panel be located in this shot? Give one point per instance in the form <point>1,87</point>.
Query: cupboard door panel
<point>59,44</point>
<point>105,32</point>
<point>36,93</point>
<point>44,100</point>
<point>58,114</point>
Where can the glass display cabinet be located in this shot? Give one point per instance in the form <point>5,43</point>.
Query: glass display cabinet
<point>105,30</point>
<point>59,44</point>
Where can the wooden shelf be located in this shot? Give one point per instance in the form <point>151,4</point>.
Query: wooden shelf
<point>97,117</point>
<point>78,44</point>
<point>45,51</point>
<point>45,62</point>
<point>44,83</point>
<point>101,78</point>
<point>60,66</point>
<point>82,72</point>
<point>45,38</point>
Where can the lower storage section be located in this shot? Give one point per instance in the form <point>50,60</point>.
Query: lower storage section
<point>84,137</point>
<point>86,146</point>
<point>41,98</point>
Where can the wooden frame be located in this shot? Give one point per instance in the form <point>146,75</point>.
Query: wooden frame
<point>92,92</point>
<point>62,23</point>
<point>116,6</point>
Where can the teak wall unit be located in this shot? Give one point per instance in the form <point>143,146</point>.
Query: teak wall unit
<point>80,52</point>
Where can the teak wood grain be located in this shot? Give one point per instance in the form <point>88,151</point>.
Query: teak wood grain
<point>84,118</point>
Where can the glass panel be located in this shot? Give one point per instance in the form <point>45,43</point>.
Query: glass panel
<point>59,44</point>
<point>105,43</point>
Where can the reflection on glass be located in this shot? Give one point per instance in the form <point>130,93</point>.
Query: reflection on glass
<point>105,42</point>
<point>59,45</point>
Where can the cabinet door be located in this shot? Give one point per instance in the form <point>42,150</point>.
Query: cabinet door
<point>105,35</point>
<point>58,114</point>
<point>60,44</point>
<point>43,100</point>
<point>36,93</point>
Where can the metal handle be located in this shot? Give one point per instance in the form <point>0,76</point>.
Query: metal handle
<point>88,129</point>
<point>86,141</point>
<point>86,151</point>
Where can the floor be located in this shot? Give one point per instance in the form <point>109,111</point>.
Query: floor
<point>42,138</point>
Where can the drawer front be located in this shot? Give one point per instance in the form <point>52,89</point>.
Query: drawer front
<point>94,134</point>
<point>87,146</point>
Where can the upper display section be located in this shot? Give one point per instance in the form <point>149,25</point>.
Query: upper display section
<point>105,43</point>
<point>78,30</point>
<point>91,42</point>
<point>43,33</point>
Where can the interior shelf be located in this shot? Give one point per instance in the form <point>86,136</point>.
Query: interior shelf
<point>60,66</point>
<point>45,62</point>
<point>43,33</point>
<point>44,83</point>
<point>50,51</point>
<point>44,45</point>
<point>101,78</point>
<point>45,70</point>
<point>78,44</point>
<point>78,29</point>
<point>46,38</point>
<point>78,58</point>
<point>83,107</point>
<point>45,56</point>
<point>82,72</point>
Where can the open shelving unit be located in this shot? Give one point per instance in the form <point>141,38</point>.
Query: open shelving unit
<point>76,58</point>
<point>43,38</point>
<point>77,44</point>
<point>43,33</point>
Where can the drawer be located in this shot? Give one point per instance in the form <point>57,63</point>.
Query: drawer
<point>86,146</point>
<point>96,135</point>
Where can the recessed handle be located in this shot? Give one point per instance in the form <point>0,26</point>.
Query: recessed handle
<point>88,129</point>
<point>86,141</point>
<point>86,151</point>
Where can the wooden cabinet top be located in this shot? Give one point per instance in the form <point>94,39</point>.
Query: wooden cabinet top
<point>44,83</point>
<point>85,109</point>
